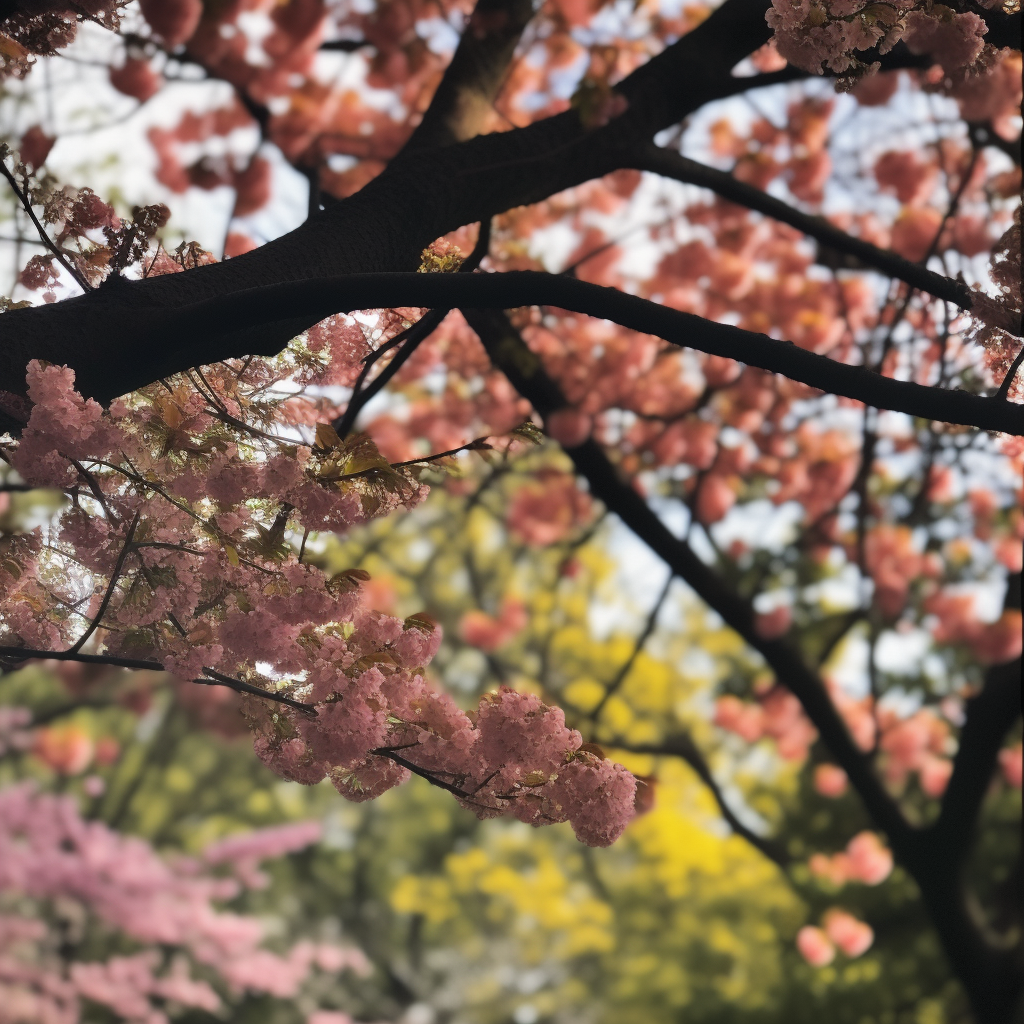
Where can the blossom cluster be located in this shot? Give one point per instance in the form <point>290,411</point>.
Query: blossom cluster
<point>44,26</point>
<point>777,714</point>
<point>838,928</point>
<point>815,33</point>
<point>175,549</point>
<point>375,725</point>
<point>864,860</point>
<point>166,911</point>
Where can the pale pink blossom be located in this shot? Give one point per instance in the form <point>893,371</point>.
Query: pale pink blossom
<point>546,510</point>
<point>955,43</point>
<point>569,427</point>
<point>491,632</point>
<point>48,852</point>
<point>864,860</point>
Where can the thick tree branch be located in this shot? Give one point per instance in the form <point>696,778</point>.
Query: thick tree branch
<point>471,82</point>
<point>419,197</point>
<point>385,226</point>
<point>989,718</point>
<point>234,320</point>
<point>673,165</point>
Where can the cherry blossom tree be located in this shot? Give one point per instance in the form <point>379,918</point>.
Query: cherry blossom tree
<point>58,860</point>
<point>857,366</point>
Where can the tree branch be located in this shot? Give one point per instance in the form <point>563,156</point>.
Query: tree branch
<point>17,655</point>
<point>472,79</point>
<point>989,717</point>
<point>682,745</point>
<point>645,635</point>
<point>114,577</point>
<point>673,165</point>
<point>385,226</point>
<point>410,340</point>
<point>509,353</point>
<point>228,319</point>
<point>992,974</point>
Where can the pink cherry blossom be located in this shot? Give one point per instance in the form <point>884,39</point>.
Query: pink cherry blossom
<point>853,937</point>
<point>48,852</point>
<point>830,780</point>
<point>870,861</point>
<point>864,860</point>
<point>954,43</point>
<point>1010,761</point>
<point>546,510</point>
<point>746,720</point>
<point>569,427</point>
<point>489,633</point>
<point>815,946</point>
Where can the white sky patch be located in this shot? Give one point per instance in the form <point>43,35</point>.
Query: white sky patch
<point>837,593</point>
<point>902,653</point>
<point>773,526</point>
<point>439,34</point>
<point>553,245</point>
<point>639,579</point>
<point>848,666</point>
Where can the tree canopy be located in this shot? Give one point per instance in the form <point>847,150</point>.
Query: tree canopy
<point>602,414</point>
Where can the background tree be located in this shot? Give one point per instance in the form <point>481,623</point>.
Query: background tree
<point>790,435</point>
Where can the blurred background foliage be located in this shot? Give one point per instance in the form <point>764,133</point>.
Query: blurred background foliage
<point>469,921</point>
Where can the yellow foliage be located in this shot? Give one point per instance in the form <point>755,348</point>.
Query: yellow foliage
<point>584,694</point>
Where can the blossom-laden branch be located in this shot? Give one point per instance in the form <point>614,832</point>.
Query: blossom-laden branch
<point>15,657</point>
<point>418,198</point>
<point>344,681</point>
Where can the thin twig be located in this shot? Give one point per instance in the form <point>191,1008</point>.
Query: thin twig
<point>243,687</point>
<point>23,654</point>
<point>412,336</point>
<point>23,198</point>
<point>114,577</point>
<point>620,676</point>
<point>682,745</point>
<point>1004,388</point>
